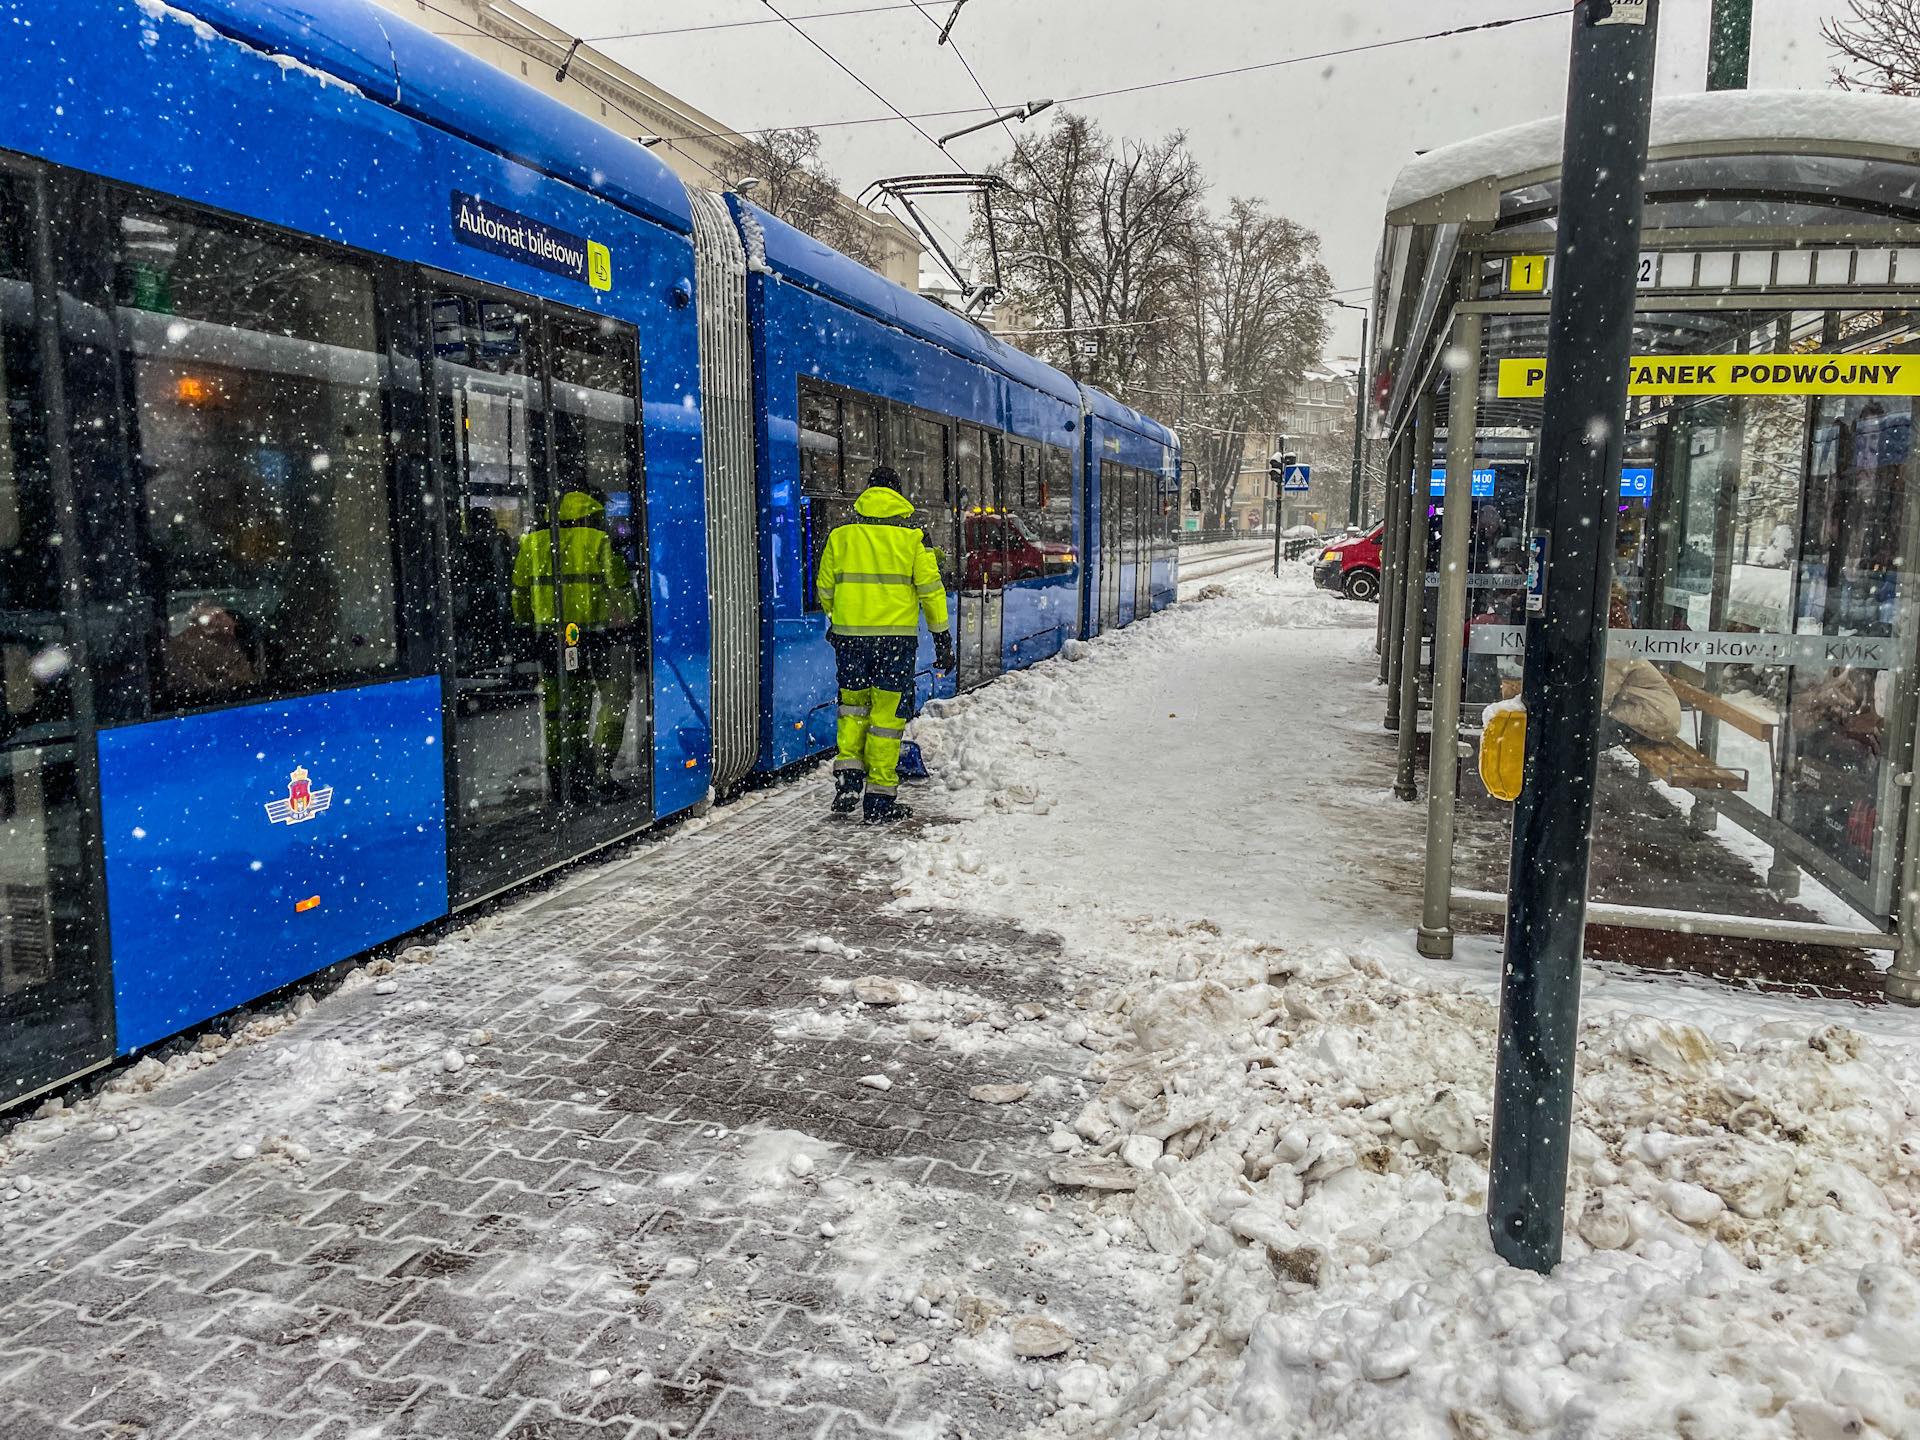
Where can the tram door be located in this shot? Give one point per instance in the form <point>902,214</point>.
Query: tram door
<point>1111,504</point>
<point>55,1006</point>
<point>493,436</point>
<point>984,560</point>
<point>1145,528</point>
<point>605,733</point>
<point>538,438</point>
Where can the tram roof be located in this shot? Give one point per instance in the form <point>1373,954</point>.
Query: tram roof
<point>1110,409</point>
<point>793,255</point>
<point>394,61</point>
<point>1726,122</point>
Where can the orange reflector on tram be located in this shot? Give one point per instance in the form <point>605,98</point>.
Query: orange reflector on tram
<point>195,390</point>
<point>312,902</point>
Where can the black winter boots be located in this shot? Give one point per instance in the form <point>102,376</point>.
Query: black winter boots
<point>884,810</point>
<point>847,786</point>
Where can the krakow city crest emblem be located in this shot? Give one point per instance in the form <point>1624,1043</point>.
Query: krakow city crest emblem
<point>304,799</point>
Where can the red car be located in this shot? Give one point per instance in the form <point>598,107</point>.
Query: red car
<point>1352,566</point>
<point>1002,548</point>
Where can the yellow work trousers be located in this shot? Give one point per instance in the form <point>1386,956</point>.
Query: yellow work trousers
<point>586,719</point>
<point>869,736</point>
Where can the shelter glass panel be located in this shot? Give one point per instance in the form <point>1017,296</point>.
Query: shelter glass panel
<point>1762,622</point>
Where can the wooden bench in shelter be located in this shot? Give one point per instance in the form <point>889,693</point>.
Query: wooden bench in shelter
<point>1682,766</point>
<point>1678,763</point>
<point>1728,712</point>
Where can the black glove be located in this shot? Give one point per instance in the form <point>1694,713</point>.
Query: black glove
<point>942,651</point>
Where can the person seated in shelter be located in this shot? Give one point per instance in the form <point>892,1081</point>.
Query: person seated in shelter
<point>1636,699</point>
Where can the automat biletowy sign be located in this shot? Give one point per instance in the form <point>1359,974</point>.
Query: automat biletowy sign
<point>486,226</point>
<point>1740,375</point>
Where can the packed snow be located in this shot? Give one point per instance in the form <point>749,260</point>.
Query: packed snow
<point>1766,117</point>
<point>1292,1111</point>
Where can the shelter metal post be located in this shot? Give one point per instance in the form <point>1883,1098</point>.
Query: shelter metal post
<point>1903,977</point>
<point>1385,641</point>
<point>1729,44</point>
<point>1705,814</point>
<point>1395,550</point>
<point>1413,584</point>
<point>1360,398</point>
<point>1450,617</point>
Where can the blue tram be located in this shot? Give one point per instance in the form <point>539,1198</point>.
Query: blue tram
<point>312,329</point>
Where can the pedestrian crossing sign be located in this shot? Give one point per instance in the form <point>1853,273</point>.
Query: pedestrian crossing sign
<point>1296,479</point>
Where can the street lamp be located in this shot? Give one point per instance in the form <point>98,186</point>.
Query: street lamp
<point>1359,409</point>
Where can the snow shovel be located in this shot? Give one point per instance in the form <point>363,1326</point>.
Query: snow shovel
<point>912,766</point>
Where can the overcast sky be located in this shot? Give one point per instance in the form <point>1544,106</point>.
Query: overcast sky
<point>1319,141</point>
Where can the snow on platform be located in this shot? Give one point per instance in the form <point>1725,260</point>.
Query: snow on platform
<point>1111,1102</point>
<point>1202,812</point>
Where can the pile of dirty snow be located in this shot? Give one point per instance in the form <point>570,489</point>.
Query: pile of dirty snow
<point>1292,1109</point>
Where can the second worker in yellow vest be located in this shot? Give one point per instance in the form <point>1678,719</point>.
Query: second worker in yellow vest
<point>586,712</point>
<point>877,578</point>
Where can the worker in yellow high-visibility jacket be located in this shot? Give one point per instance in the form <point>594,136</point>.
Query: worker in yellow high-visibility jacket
<point>877,578</point>
<point>593,601</point>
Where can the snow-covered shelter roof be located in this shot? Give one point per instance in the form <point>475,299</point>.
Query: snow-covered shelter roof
<point>1730,120</point>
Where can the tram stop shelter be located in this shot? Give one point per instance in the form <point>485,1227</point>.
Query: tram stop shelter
<point>1756,801</point>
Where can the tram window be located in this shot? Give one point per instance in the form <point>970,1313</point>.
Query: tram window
<point>919,453</point>
<point>819,441</point>
<point>860,444</point>
<point>829,471</point>
<point>970,468</point>
<point>32,670</point>
<point>1056,496</point>
<point>490,426</point>
<point>261,459</point>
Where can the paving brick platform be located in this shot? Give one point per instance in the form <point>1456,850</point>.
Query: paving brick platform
<point>592,1226</point>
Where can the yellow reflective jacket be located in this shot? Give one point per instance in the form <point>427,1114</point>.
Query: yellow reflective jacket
<point>877,576</point>
<point>596,588</point>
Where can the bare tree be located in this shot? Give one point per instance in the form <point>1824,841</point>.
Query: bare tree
<point>796,186</point>
<point>1092,236</point>
<point>1877,46</point>
<point>1252,319</point>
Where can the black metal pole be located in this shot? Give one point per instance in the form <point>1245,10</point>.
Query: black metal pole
<point>1589,339</point>
<point>1729,44</point>
<point>1359,416</point>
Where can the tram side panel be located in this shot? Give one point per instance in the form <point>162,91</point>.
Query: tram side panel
<point>269,813</point>
<point>871,392</point>
<point>1166,557</point>
<point>1041,580</point>
<point>1128,483</point>
<point>247,848</point>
